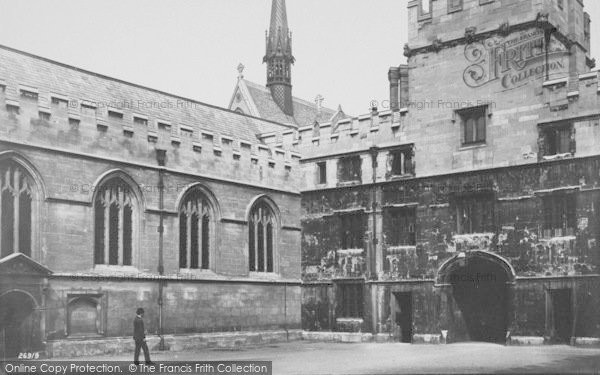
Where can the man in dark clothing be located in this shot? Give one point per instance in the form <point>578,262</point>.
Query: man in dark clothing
<point>139,337</point>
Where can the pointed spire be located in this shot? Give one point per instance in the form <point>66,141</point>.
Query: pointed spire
<point>278,18</point>
<point>279,58</point>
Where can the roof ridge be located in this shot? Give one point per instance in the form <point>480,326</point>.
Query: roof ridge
<point>136,85</point>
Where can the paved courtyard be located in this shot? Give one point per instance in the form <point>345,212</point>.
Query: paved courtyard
<point>324,358</point>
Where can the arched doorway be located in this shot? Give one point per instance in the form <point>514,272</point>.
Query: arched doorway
<point>480,284</point>
<point>18,332</point>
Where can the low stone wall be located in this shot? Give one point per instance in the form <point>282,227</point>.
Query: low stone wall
<point>355,337</point>
<point>120,345</point>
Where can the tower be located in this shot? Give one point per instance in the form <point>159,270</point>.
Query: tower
<point>279,58</point>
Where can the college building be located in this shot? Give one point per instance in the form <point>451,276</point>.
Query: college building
<point>468,209</point>
<point>465,210</point>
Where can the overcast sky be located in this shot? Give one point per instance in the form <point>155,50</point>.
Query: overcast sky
<point>191,48</point>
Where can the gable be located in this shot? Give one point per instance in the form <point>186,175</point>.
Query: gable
<point>21,264</point>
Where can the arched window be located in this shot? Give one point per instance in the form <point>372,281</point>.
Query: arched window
<point>114,223</point>
<point>16,199</point>
<point>262,226</point>
<point>195,222</point>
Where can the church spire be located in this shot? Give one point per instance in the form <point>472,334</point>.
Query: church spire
<point>279,58</point>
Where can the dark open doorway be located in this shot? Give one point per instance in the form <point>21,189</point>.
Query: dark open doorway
<point>17,324</point>
<point>480,289</point>
<point>561,315</point>
<point>404,316</point>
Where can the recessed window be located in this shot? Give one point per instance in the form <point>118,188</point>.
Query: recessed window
<point>425,6</point>
<point>17,200</point>
<point>140,121</point>
<point>559,215</point>
<point>13,109</point>
<point>114,220</point>
<point>262,226</point>
<point>186,132</point>
<point>74,123</point>
<point>88,109</point>
<point>350,302</point>
<point>226,141</point>
<point>44,116</point>
<point>163,125</point>
<point>59,102</point>
<point>322,173</point>
<point>30,95</point>
<point>115,115</point>
<point>557,140</point>
<point>245,145</point>
<point>349,168</point>
<point>455,5</point>
<point>207,136</point>
<point>473,123</point>
<point>401,162</point>
<point>195,232</point>
<point>402,222</point>
<point>272,164</point>
<point>352,229</point>
<point>237,156</point>
<point>475,213</point>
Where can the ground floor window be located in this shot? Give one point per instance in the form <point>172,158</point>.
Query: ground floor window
<point>350,300</point>
<point>559,215</point>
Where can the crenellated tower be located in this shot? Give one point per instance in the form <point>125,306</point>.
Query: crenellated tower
<point>279,58</point>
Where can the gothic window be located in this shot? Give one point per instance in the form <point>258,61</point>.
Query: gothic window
<point>195,218</point>
<point>262,225</point>
<point>352,229</point>
<point>114,223</point>
<point>15,209</point>
<point>559,215</point>
<point>349,168</point>
<point>473,122</point>
<point>475,213</point>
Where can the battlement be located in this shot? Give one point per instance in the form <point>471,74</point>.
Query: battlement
<point>346,135</point>
<point>434,22</point>
<point>576,96</point>
<point>48,120</point>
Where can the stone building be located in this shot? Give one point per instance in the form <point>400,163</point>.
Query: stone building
<point>115,196</point>
<point>469,209</point>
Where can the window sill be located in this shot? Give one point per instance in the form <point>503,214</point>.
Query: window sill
<point>264,275</point>
<point>470,146</point>
<point>196,272</point>
<point>348,183</point>
<point>567,155</point>
<point>396,177</point>
<point>115,269</point>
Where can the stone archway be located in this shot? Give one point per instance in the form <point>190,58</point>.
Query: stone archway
<point>479,287</point>
<point>18,324</point>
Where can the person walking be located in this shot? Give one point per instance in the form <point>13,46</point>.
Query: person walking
<point>139,336</point>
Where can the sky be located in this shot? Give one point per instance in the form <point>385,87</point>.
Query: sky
<point>192,48</point>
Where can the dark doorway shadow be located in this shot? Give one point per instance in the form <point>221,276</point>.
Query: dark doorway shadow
<point>17,324</point>
<point>480,289</point>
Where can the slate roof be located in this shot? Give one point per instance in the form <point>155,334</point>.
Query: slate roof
<point>305,113</point>
<point>18,68</point>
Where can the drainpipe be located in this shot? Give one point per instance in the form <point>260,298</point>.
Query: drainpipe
<point>161,159</point>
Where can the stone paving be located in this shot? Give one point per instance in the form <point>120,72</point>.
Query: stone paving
<point>303,357</point>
